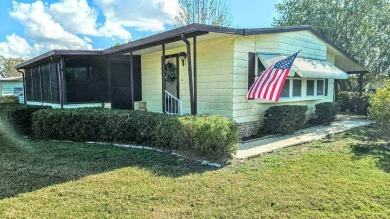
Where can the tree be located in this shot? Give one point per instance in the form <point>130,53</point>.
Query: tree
<point>360,27</point>
<point>212,12</point>
<point>7,67</point>
<point>380,108</point>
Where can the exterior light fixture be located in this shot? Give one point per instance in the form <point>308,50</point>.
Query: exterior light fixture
<point>182,57</point>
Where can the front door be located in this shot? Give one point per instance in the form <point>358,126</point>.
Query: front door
<point>171,83</point>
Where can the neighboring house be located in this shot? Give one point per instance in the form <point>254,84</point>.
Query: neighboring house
<point>12,86</point>
<point>207,70</point>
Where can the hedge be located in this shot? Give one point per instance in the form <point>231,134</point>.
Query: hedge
<point>9,99</point>
<point>325,113</point>
<point>212,137</point>
<point>284,119</point>
<point>19,116</point>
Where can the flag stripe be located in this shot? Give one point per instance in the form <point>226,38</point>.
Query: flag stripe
<point>270,83</point>
<point>281,87</point>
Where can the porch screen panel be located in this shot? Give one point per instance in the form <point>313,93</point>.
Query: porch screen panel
<point>29,88</point>
<point>86,80</point>
<point>45,83</point>
<point>54,82</point>
<point>137,78</point>
<point>36,84</point>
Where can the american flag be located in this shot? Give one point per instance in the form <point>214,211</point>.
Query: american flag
<point>270,84</point>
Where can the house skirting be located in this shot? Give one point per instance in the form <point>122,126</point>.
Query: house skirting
<point>246,129</point>
<point>69,106</point>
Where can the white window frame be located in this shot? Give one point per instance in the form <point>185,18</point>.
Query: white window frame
<point>314,87</point>
<point>323,89</point>
<point>290,92</point>
<point>303,89</point>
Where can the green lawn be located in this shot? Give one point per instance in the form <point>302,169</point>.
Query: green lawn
<point>347,176</point>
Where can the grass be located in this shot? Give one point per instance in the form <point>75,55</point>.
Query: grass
<point>346,176</point>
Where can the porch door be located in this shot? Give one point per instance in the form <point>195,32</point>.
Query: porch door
<point>171,82</point>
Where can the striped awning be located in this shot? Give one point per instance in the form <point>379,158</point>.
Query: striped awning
<point>305,68</point>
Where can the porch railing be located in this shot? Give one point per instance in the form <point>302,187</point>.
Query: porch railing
<point>173,106</point>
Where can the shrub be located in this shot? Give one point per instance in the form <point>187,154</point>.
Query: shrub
<point>9,99</point>
<point>284,119</point>
<point>19,116</point>
<point>362,105</point>
<point>325,113</point>
<point>352,101</point>
<point>347,100</point>
<point>208,136</point>
<point>380,108</point>
<point>212,136</point>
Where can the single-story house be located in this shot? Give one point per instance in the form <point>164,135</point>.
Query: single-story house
<point>195,69</point>
<point>12,86</point>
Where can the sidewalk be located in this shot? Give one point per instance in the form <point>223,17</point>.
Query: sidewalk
<point>260,146</point>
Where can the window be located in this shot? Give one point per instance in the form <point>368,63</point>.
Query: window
<point>320,88</point>
<point>310,88</point>
<point>294,88</point>
<point>18,91</point>
<point>297,88</point>
<point>286,89</point>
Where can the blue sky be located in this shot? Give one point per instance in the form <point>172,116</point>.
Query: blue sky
<point>31,27</point>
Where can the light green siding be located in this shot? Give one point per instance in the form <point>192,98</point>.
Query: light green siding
<point>286,43</point>
<point>214,80</point>
<point>223,73</point>
<point>8,88</point>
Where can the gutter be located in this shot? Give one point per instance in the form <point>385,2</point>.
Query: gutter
<point>24,86</point>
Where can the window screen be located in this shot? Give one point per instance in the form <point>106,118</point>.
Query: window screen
<point>310,88</point>
<point>286,89</point>
<point>320,87</point>
<point>297,88</point>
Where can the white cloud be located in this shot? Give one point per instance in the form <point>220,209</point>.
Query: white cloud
<point>69,24</point>
<point>87,39</point>
<point>15,46</point>
<point>40,26</point>
<point>144,15</point>
<point>76,16</point>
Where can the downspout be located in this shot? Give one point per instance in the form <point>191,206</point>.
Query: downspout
<point>184,38</point>
<point>24,86</point>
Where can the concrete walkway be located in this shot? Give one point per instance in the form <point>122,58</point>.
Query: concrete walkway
<point>260,146</point>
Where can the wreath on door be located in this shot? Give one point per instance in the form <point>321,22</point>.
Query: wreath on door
<point>170,72</point>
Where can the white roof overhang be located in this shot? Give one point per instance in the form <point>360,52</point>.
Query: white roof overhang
<point>304,67</point>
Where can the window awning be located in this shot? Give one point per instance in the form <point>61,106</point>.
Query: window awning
<point>306,68</point>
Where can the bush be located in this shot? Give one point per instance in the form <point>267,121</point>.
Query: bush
<point>212,137</point>
<point>19,116</point>
<point>362,105</point>
<point>380,108</point>
<point>325,113</point>
<point>347,100</point>
<point>352,101</point>
<point>9,99</point>
<point>284,119</point>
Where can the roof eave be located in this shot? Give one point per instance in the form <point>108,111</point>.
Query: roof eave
<point>301,28</point>
<point>55,53</point>
<point>168,37</point>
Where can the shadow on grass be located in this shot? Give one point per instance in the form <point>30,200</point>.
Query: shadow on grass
<point>27,165</point>
<point>372,143</point>
<point>376,150</point>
